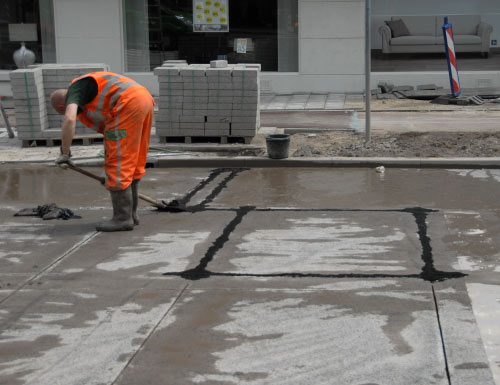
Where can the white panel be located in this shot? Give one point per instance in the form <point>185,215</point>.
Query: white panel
<point>332,19</point>
<point>102,51</point>
<point>331,56</point>
<point>89,18</point>
<point>89,31</point>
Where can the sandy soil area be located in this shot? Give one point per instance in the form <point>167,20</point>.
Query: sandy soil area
<point>349,144</point>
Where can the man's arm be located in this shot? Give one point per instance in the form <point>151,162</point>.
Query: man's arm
<point>68,127</point>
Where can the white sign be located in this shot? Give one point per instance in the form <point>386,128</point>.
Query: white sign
<point>210,16</point>
<point>241,45</point>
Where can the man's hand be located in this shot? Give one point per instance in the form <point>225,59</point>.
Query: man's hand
<point>64,160</point>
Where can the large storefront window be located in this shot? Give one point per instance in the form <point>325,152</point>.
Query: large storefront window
<point>407,35</point>
<point>36,14</point>
<point>260,31</point>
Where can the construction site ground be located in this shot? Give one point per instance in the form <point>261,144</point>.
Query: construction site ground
<point>272,276</point>
<point>399,128</point>
<point>338,276</point>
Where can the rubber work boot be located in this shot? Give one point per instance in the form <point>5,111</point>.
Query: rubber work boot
<point>122,212</point>
<point>135,201</point>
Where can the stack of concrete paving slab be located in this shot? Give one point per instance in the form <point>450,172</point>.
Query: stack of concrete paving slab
<point>56,76</point>
<point>174,63</point>
<point>29,103</point>
<point>216,100</point>
<point>31,88</point>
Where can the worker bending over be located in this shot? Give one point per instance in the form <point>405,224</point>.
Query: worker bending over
<point>122,110</point>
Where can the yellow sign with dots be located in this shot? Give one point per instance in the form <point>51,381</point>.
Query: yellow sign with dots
<point>211,16</point>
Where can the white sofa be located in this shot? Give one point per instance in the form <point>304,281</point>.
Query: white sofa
<point>426,35</point>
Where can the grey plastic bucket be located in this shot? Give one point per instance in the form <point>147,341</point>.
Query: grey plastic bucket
<point>278,145</point>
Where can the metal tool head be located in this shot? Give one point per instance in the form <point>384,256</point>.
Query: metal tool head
<point>173,206</point>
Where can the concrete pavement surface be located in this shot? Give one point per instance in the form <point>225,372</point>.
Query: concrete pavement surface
<point>272,276</point>
<point>386,121</point>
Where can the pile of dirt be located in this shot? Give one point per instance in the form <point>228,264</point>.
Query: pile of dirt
<point>412,144</point>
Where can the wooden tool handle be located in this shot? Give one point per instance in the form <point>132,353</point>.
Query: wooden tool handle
<point>87,173</point>
<point>103,180</point>
<point>150,200</point>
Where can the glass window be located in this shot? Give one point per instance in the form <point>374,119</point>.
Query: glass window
<point>38,12</point>
<point>407,36</point>
<point>260,31</point>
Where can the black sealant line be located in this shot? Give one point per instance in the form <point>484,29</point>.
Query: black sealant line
<point>221,186</point>
<point>208,274</point>
<point>442,336</point>
<point>201,271</point>
<point>429,272</point>
<point>233,172</point>
<point>214,174</point>
<point>406,210</point>
<point>306,210</point>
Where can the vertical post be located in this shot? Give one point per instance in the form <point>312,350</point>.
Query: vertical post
<point>451,57</point>
<point>6,119</point>
<point>368,68</point>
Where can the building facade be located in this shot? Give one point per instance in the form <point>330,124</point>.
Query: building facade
<point>303,45</point>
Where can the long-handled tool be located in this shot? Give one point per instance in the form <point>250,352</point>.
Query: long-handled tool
<point>173,206</point>
<point>6,119</point>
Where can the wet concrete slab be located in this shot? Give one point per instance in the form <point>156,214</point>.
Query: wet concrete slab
<point>72,337</point>
<point>461,336</point>
<point>473,245</point>
<point>273,243</point>
<point>363,188</point>
<point>272,276</point>
<point>473,239</point>
<point>162,242</point>
<point>30,245</point>
<point>36,185</point>
<point>486,308</point>
<point>366,334</point>
<point>10,283</point>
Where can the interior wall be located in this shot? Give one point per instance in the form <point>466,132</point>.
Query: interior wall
<point>382,10</point>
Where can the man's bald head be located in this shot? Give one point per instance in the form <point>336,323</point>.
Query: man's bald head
<point>58,100</point>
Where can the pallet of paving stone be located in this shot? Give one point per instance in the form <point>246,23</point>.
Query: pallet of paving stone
<point>215,100</point>
<point>78,140</point>
<point>36,120</point>
<point>206,139</point>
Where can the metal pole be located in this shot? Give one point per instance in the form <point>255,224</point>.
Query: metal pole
<point>368,68</point>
